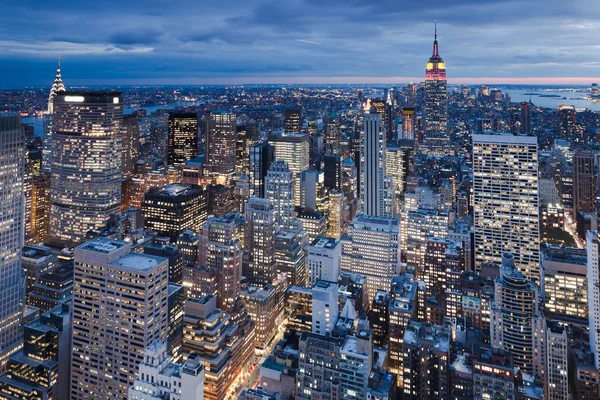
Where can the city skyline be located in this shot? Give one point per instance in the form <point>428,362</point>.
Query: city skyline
<point>298,42</point>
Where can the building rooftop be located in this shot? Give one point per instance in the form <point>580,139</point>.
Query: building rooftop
<point>103,245</point>
<point>142,262</point>
<point>325,242</point>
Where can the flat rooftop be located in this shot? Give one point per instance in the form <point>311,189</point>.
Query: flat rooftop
<point>142,262</point>
<point>103,245</point>
<point>325,242</point>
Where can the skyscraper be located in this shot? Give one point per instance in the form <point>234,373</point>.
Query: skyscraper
<point>221,136</point>
<point>221,250</point>
<point>86,162</point>
<point>525,117</point>
<point>293,120</point>
<point>183,138</point>
<point>259,240</point>
<point>57,87</point>
<point>332,134</point>
<point>376,194</point>
<point>131,144</point>
<point>12,287</point>
<point>408,123</point>
<point>293,148</point>
<point>593,284</point>
<point>436,104</point>
<point>119,309</point>
<point>507,164</point>
<point>567,119</point>
<point>585,181</point>
<point>280,191</point>
<point>262,156</point>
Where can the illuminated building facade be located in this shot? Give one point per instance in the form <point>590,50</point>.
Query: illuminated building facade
<point>86,162</point>
<point>324,259</point>
<point>290,254</point>
<point>567,121</point>
<point>436,137</point>
<point>408,123</point>
<point>265,306</point>
<point>371,248</point>
<point>57,87</point>
<point>376,191</point>
<point>508,165</point>
<point>262,156</point>
<point>172,209</point>
<point>221,250</point>
<point>12,289</point>
<point>337,223</point>
<point>585,182</point>
<point>221,137</point>
<point>131,144</point>
<point>293,120</point>
<point>293,148</point>
<point>259,240</point>
<point>593,276</point>
<point>332,135</point>
<point>279,185</point>
<point>117,295</point>
<point>183,138</point>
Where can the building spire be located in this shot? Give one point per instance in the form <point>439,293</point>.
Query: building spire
<point>435,42</point>
<point>57,86</point>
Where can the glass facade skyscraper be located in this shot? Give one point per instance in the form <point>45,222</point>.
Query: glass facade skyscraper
<point>86,162</point>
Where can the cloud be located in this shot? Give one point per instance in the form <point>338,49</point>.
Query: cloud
<point>133,36</point>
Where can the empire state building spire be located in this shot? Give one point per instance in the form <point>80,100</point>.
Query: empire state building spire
<point>435,43</point>
<point>57,86</point>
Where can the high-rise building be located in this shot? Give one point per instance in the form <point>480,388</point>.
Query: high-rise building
<point>493,374</point>
<point>566,123</point>
<point>376,194</point>
<point>325,307</point>
<point>506,164</point>
<point>293,120</point>
<point>324,259</point>
<point>436,104</point>
<point>223,346</point>
<point>557,371</point>
<point>242,145</point>
<point>338,217</point>
<point>418,227</point>
<point>318,376</point>
<point>159,377</point>
<point>183,138</point>
<point>332,135</point>
<point>293,148</point>
<point>131,144</point>
<point>525,118</point>
<point>221,250</point>
<point>261,157</point>
<point>221,136</point>
<point>12,289</point>
<point>290,254</point>
<point>259,240</point>
<point>57,87</point>
<point>333,173</point>
<point>517,323</point>
<point>172,209</point>
<point>105,358</point>
<point>408,124</point>
<point>371,248</point>
<point>593,278</point>
<point>40,207</point>
<point>279,185</point>
<point>86,162</point>
<point>585,180</point>
<point>402,309</point>
<point>41,370</point>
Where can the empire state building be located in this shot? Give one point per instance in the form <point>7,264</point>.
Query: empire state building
<point>436,104</point>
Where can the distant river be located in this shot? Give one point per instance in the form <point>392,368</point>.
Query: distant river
<point>38,122</point>
<point>572,98</point>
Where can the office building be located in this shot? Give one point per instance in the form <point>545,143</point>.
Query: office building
<point>333,172</point>
<point>40,207</point>
<point>313,222</point>
<point>242,146</point>
<point>566,124</point>
<point>593,295</point>
<point>421,225</point>
<point>293,120</point>
<point>294,149</point>
<point>408,124</point>
<point>104,359</point>
<point>183,138</point>
<point>565,284</point>
<point>188,243</point>
<point>332,135</point>
<point>338,218</point>
<point>12,289</point>
<point>493,374</point>
<point>436,137</point>
<point>324,259</point>
<point>265,306</point>
<point>318,367</point>
<point>53,288</point>
<point>36,260</point>
<point>279,185</point>
<point>557,371</point>
<point>199,280</point>
<point>290,254</point>
<point>506,164</point>
<point>221,136</point>
<point>526,118</point>
<point>376,195</point>
<point>325,307</point>
<point>356,362</point>
<point>426,361</point>
<point>172,209</point>
<point>57,87</point>
<point>516,320</point>
<point>159,377</point>
<point>86,162</point>
<point>131,145</point>
<point>224,347</point>
<point>261,157</point>
<point>434,266</point>
<point>259,240</point>
<point>585,179</point>
<point>221,250</point>
<point>41,369</point>
<point>371,248</point>
<point>402,309</point>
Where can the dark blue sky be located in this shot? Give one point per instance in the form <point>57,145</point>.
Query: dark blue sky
<point>297,41</point>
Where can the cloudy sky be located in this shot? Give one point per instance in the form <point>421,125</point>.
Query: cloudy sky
<point>297,41</point>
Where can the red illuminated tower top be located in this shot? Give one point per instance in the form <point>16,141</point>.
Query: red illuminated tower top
<point>436,69</point>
